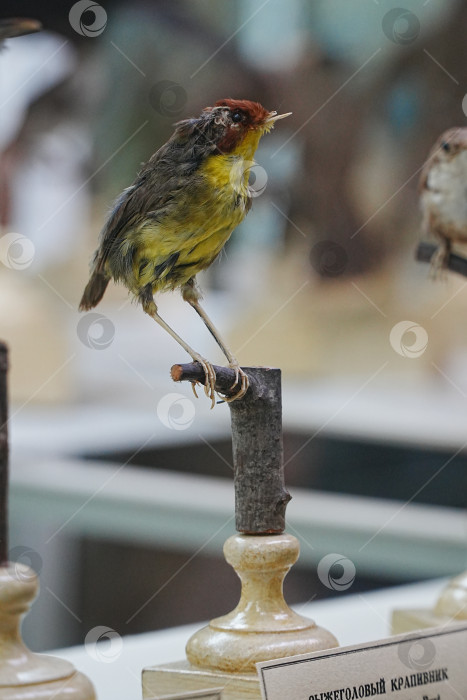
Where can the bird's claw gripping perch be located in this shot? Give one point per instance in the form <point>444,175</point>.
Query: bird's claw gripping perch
<point>245,383</point>
<point>210,379</point>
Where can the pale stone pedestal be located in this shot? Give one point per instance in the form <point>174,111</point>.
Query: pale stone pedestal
<point>262,627</point>
<point>450,607</point>
<point>23,674</point>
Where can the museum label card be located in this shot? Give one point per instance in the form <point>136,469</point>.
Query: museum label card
<point>425,665</point>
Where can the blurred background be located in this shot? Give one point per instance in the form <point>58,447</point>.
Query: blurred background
<point>121,488</point>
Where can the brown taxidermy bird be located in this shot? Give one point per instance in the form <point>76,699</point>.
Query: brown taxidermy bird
<point>176,217</point>
<point>443,194</point>
<point>17,26</point>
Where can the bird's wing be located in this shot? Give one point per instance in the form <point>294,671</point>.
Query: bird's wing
<point>171,169</point>
<point>117,223</point>
<point>146,197</point>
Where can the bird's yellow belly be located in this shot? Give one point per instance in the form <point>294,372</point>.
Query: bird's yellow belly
<point>196,232</point>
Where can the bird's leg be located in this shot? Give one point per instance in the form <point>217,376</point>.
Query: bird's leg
<point>192,296</point>
<point>440,259</point>
<point>151,309</point>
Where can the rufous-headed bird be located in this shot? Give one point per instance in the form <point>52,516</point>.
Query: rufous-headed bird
<point>176,217</point>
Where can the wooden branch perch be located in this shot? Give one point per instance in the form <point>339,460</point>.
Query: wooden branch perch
<point>456,263</point>
<point>225,377</point>
<point>260,494</point>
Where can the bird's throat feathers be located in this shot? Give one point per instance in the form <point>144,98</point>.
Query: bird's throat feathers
<point>236,143</point>
<point>231,170</point>
<point>230,165</point>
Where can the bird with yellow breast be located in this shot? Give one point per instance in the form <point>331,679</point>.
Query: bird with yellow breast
<point>176,217</point>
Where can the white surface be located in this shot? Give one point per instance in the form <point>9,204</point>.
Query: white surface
<point>352,618</point>
<point>389,413</point>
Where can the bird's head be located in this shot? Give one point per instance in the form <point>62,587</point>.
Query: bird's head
<point>449,153</point>
<point>230,127</point>
<point>244,123</point>
<point>450,143</point>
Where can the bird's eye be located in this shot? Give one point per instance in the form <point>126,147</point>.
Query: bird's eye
<point>236,117</point>
<point>446,146</point>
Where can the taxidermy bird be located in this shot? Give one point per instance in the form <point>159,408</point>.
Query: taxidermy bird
<point>443,194</point>
<point>14,26</point>
<point>176,217</point>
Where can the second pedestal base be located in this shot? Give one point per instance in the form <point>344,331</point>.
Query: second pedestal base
<point>451,606</point>
<point>181,677</point>
<point>409,620</point>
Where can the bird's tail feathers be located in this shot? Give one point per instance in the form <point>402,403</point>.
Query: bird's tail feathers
<point>94,291</point>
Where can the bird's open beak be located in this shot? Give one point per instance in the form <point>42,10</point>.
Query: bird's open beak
<point>274,117</point>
